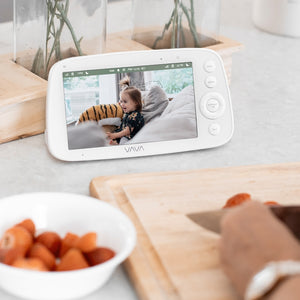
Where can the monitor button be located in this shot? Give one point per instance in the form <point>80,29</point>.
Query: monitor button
<point>209,66</point>
<point>212,105</point>
<point>210,81</point>
<point>214,129</point>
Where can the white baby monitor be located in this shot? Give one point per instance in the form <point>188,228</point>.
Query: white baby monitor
<point>92,114</point>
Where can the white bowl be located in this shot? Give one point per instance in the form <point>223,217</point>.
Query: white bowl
<point>64,213</point>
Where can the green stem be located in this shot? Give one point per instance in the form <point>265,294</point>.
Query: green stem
<point>192,13</point>
<point>166,27</point>
<point>59,31</point>
<point>182,32</point>
<point>61,13</point>
<point>38,63</point>
<point>50,21</point>
<point>66,20</point>
<point>57,11</point>
<point>176,21</point>
<point>56,34</point>
<point>191,21</point>
<point>174,25</point>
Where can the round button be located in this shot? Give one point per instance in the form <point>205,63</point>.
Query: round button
<point>209,66</point>
<point>214,129</point>
<point>212,105</point>
<point>211,81</point>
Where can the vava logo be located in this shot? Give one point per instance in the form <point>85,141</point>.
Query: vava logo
<point>134,148</point>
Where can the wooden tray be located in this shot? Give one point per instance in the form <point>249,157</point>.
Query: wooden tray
<point>23,94</point>
<point>174,258</point>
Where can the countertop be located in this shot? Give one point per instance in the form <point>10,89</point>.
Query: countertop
<point>265,93</point>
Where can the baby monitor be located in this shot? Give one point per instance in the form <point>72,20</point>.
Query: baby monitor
<point>130,104</point>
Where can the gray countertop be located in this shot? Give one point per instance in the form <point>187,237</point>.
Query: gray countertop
<point>265,92</point>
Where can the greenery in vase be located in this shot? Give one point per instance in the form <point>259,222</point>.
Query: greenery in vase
<point>57,19</point>
<point>180,10</point>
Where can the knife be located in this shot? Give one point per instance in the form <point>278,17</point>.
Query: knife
<point>211,220</point>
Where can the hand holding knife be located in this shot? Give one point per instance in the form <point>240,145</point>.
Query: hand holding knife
<point>257,250</point>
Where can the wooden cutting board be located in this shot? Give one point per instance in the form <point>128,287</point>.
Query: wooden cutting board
<point>175,258</point>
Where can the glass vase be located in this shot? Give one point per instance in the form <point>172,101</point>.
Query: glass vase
<point>176,23</point>
<point>46,31</point>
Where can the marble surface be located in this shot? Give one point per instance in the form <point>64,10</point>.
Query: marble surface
<point>265,94</point>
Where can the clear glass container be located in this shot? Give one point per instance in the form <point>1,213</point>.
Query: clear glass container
<point>176,23</point>
<point>46,31</point>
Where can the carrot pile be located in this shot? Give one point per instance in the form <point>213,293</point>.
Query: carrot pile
<point>21,247</point>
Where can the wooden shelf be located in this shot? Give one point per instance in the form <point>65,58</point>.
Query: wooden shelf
<point>23,94</point>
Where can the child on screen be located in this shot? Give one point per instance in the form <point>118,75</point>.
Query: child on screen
<point>133,121</point>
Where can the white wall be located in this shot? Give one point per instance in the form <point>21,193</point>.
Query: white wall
<point>107,86</point>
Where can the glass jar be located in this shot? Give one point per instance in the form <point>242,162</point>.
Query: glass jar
<point>46,31</point>
<point>176,23</point>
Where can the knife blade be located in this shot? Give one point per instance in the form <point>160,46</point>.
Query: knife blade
<point>211,220</point>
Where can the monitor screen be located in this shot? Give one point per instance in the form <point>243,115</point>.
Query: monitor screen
<point>129,105</point>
